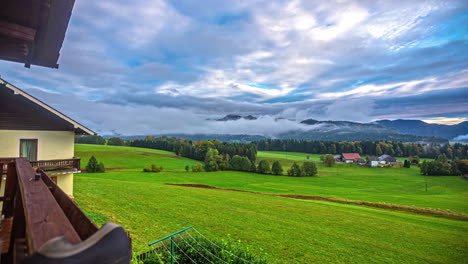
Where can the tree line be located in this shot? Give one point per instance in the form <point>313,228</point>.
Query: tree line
<point>196,150</point>
<point>442,166</point>
<point>371,148</point>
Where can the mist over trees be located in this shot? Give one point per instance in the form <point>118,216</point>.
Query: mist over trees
<point>197,150</point>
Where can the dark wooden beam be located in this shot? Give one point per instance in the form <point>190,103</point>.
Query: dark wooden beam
<point>17,31</point>
<point>10,190</point>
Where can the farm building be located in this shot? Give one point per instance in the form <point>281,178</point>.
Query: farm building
<point>360,161</point>
<point>373,161</point>
<point>387,159</point>
<point>31,129</point>
<point>350,157</point>
<point>337,157</point>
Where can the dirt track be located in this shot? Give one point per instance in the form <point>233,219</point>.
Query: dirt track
<point>393,207</point>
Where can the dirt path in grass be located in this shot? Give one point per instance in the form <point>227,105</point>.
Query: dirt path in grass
<point>393,207</point>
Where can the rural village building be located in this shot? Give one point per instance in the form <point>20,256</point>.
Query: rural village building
<point>337,157</point>
<point>350,157</point>
<point>387,159</point>
<point>31,129</point>
<point>373,161</point>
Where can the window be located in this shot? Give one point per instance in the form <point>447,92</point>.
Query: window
<point>28,149</point>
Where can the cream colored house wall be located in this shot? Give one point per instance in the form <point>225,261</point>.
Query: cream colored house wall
<point>65,182</point>
<point>51,145</point>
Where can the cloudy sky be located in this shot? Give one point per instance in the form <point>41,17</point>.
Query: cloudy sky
<point>147,66</point>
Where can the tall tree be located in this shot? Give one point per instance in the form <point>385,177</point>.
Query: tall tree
<point>295,170</point>
<point>212,160</point>
<point>276,168</point>
<point>329,161</point>
<point>264,167</point>
<point>309,168</point>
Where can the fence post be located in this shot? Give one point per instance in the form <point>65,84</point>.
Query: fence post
<point>172,250</point>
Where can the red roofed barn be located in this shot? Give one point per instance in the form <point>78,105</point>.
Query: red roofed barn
<point>350,157</point>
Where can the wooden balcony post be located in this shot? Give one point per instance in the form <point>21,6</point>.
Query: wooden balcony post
<point>10,190</point>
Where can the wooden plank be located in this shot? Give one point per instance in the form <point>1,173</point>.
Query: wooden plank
<point>17,31</point>
<point>10,191</point>
<point>51,32</point>
<point>18,232</point>
<point>20,250</point>
<point>80,221</point>
<point>5,234</point>
<point>44,217</point>
<point>1,174</point>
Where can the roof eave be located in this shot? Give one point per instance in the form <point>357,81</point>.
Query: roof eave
<point>77,126</point>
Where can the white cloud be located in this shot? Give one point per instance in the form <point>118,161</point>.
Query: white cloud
<point>276,51</point>
<point>138,22</point>
<point>404,89</point>
<point>358,110</point>
<point>462,138</point>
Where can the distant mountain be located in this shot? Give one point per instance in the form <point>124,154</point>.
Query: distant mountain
<point>353,131</point>
<point>333,131</point>
<point>236,117</point>
<point>418,127</point>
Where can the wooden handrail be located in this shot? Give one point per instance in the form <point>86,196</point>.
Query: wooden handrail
<point>44,219</point>
<point>80,221</point>
<point>40,211</point>
<point>57,164</point>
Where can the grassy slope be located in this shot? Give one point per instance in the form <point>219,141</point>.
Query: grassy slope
<point>130,157</point>
<point>289,230</point>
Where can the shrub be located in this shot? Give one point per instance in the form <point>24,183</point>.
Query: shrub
<point>197,167</point>
<point>241,163</point>
<point>100,167</point>
<point>94,166</point>
<point>276,168</point>
<point>253,168</point>
<point>264,167</point>
<point>414,160</point>
<point>202,250</point>
<point>187,168</point>
<point>406,164</point>
<point>309,168</point>
<point>115,141</point>
<point>152,168</point>
<point>329,161</point>
<point>295,170</point>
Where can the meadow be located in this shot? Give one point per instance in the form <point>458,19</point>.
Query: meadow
<point>287,230</point>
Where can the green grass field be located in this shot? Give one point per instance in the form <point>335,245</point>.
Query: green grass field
<point>288,230</point>
<point>131,158</point>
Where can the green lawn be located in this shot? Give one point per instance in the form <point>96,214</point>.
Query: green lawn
<point>289,230</point>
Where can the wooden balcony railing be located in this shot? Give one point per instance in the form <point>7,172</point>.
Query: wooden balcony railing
<point>57,164</point>
<point>34,211</point>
